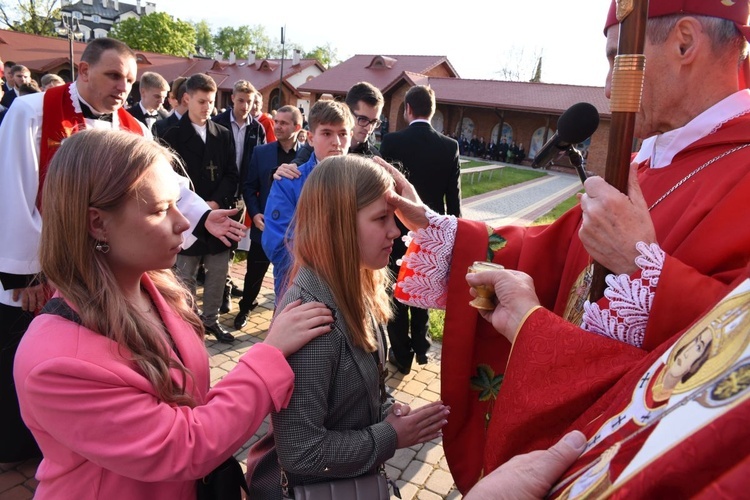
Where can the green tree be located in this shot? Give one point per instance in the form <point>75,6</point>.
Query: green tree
<point>240,40</point>
<point>204,39</point>
<point>325,54</point>
<point>30,16</point>
<point>157,32</point>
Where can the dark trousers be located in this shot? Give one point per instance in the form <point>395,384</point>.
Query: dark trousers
<point>16,442</point>
<point>407,332</point>
<point>257,266</point>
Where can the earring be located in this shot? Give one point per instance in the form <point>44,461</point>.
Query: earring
<point>102,246</point>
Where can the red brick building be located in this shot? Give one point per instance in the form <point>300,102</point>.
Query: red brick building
<point>525,112</point>
<point>51,55</point>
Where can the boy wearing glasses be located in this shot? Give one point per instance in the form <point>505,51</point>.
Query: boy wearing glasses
<point>366,104</point>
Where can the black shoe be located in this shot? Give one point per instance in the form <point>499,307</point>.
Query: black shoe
<point>422,359</point>
<point>221,334</point>
<point>235,290</point>
<point>392,359</point>
<point>226,301</point>
<point>241,319</point>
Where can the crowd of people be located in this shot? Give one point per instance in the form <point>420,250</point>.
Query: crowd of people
<point>492,150</point>
<point>115,211</point>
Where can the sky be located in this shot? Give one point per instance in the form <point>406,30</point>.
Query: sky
<point>479,37</point>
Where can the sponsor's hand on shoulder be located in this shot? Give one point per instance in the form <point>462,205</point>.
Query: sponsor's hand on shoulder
<point>297,324</point>
<point>286,171</point>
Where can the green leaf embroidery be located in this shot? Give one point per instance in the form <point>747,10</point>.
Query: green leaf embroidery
<point>495,244</point>
<point>486,383</point>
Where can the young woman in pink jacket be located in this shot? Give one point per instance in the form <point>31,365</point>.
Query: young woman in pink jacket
<point>121,404</point>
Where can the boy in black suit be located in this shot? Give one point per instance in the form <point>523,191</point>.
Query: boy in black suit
<point>430,162</point>
<point>153,88</point>
<point>207,150</point>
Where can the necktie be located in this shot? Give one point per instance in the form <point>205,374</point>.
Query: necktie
<point>88,113</point>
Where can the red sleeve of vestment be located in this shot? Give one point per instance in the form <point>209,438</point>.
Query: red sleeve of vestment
<point>474,354</point>
<point>556,371</point>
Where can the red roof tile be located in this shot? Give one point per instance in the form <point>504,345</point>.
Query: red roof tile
<point>42,54</point>
<point>522,96</point>
<point>380,70</point>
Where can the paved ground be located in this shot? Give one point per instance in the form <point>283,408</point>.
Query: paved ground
<point>522,203</point>
<point>421,472</point>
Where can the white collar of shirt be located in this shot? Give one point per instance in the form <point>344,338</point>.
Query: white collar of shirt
<point>77,100</point>
<point>200,130</point>
<point>145,111</point>
<point>662,148</point>
<point>232,119</point>
<point>420,120</point>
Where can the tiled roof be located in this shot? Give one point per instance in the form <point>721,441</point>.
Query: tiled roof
<point>42,54</point>
<point>521,96</point>
<point>97,9</point>
<point>383,71</point>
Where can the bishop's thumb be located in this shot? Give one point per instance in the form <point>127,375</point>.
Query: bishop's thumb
<point>634,188</point>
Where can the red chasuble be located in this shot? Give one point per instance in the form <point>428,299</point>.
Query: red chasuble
<point>701,227</point>
<point>646,437</point>
<point>60,120</point>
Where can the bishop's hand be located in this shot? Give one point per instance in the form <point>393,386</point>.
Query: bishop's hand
<point>614,222</point>
<point>515,297</point>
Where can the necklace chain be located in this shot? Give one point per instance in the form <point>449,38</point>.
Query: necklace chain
<point>688,176</point>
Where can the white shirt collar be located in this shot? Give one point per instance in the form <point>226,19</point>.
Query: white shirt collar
<point>662,148</point>
<point>420,120</point>
<point>145,111</point>
<point>232,119</point>
<point>200,130</point>
<point>76,98</point>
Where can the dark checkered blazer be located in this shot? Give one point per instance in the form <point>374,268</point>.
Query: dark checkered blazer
<point>333,426</point>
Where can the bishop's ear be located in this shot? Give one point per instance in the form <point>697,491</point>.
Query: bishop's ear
<point>689,36</point>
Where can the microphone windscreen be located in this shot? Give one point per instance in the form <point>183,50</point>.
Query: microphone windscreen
<point>577,123</point>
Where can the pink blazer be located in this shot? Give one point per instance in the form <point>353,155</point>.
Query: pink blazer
<point>105,434</point>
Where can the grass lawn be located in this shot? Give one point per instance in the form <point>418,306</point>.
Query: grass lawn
<point>473,163</point>
<point>504,177</point>
<point>556,212</point>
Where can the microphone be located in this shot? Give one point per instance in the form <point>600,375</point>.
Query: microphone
<point>576,124</point>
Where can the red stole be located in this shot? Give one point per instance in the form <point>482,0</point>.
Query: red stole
<point>60,120</point>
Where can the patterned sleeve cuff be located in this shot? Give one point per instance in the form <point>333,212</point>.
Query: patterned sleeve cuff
<point>423,278</point>
<point>624,314</point>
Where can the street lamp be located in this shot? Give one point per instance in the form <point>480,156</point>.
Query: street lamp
<point>281,76</point>
<point>72,31</point>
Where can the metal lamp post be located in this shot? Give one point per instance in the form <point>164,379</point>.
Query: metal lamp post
<point>73,31</point>
<point>281,76</point>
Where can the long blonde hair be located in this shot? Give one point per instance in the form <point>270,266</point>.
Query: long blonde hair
<point>325,240</point>
<point>101,169</point>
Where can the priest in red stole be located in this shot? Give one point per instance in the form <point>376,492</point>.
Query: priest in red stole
<point>674,242</point>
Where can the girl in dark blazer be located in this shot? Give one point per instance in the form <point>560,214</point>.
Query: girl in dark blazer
<point>339,424</point>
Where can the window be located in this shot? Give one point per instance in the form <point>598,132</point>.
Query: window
<point>96,18</point>
<point>77,15</point>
